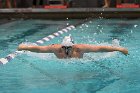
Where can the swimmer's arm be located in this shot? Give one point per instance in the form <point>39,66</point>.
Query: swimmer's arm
<point>94,48</point>
<point>37,49</point>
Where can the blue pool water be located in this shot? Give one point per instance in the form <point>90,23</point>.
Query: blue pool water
<point>95,73</point>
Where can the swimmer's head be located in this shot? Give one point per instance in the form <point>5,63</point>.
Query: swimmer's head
<point>67,41</point>
<point>67,44</point>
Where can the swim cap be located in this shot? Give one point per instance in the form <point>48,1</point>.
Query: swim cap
<point>67,41</point>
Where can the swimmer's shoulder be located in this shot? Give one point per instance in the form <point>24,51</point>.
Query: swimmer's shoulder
<point>81,45</point>
<point>78,46</point>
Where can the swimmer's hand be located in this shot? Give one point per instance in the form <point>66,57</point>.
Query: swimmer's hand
<point>124,51</point>
<point>21,47</point>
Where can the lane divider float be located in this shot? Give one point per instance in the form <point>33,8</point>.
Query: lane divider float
<point>11,56</point>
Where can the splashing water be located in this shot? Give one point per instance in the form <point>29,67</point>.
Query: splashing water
<point>29,43</point>
<point>135,26</point>
<point>116,42</point>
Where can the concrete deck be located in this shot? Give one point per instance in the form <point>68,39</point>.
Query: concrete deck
<point>71,13</point>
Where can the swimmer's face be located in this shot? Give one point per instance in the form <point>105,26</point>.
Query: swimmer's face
<point>67,49</point>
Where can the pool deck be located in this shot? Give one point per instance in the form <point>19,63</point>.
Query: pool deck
<point>71,13</point>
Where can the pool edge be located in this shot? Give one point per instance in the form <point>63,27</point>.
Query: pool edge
<point>71,13</point>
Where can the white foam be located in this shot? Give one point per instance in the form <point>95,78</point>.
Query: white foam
<point>3,60</point>
<point>116,42</point>
<point>135,26</point>
<point>12,55</point>
<point>30,43</point>
<point>99,56</point>
<point>42,56</point>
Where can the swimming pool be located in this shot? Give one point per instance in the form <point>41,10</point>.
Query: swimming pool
<point>95,73</point>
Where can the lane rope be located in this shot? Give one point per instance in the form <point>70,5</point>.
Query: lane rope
<point>11,56</point>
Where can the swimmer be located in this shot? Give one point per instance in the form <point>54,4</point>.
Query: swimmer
<point>67,49</point>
